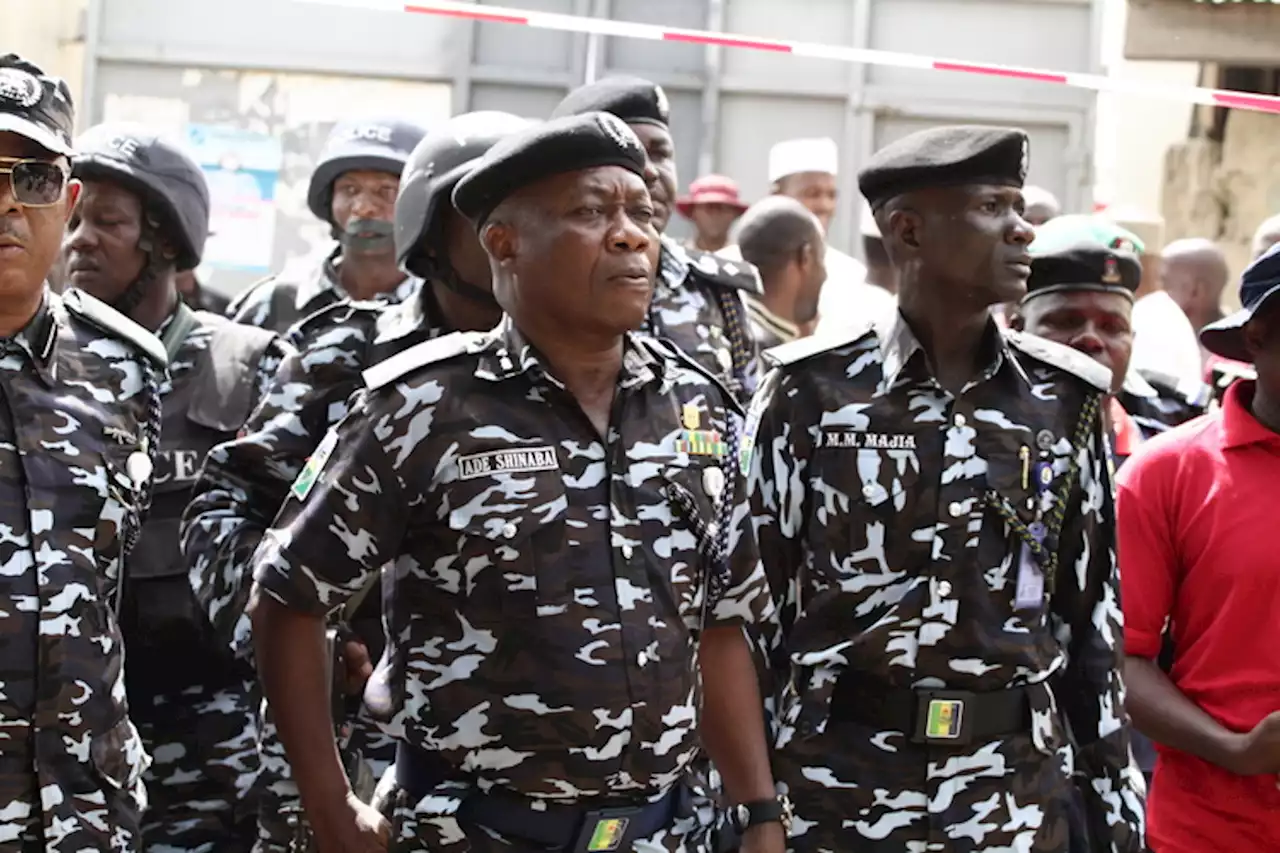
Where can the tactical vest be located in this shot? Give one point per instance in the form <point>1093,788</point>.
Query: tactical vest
<point>169,641</point>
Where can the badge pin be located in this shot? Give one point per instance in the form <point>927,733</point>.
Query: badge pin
<point>139,467</point>
<point>1044,439</point>
<point>713,481</point>
<point>690,416</point>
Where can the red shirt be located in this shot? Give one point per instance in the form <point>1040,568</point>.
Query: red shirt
<point>1198,508</point>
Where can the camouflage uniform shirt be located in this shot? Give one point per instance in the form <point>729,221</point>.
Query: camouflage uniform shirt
<point>698,306</point>
<point>245,481</point>
<point>303,288</point>
<point>80,402</point>
<point>195,707</point>
<point>547,585</point>
<point>873,494</point>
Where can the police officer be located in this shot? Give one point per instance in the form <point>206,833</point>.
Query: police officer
<point>934,512</point>
<point>549,494</point>
<point>246,480</point>
<point>143,217</point>
<point>698,301</point>
<point>354,190</point>
<point>80,397</point>
<point>1148,401</point>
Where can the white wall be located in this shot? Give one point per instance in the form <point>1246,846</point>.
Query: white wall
<point>1133,132</point>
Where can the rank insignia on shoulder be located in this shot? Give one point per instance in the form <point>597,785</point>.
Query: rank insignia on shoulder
<point>315,464</point>
<point>701,442</point>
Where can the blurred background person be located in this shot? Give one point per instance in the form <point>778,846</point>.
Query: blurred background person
<point>712,205</point>
<point>785,243</point>
<point>1042,205</point>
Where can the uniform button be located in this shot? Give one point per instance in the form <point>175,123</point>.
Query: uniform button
<point>944,588</point>
<point>956,509</point>
<point>869,491</point>
<point>627,551</point>
<point>959,420</point>
<point>509,530</point>
<point>642,659</point>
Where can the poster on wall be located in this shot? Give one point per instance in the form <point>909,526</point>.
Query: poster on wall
<point>242,168</point>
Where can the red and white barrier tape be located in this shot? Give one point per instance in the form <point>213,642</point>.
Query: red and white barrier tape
<point>626,29</point>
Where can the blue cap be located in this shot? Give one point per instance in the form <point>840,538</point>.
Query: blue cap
<point>1259,285</point>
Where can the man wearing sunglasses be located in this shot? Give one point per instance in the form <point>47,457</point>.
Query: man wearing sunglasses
<point>143,216</point>
<point>79,428</point>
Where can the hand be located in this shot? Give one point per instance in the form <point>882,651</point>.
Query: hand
<point>1257,752</point>
<point>355,655</point>
<point>355,828</point>
<point>764,838</point>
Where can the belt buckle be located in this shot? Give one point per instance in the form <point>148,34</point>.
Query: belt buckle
<point>944,717</point>
<point>606,830</point>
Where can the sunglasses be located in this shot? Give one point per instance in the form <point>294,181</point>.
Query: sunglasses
<point>35,183</point>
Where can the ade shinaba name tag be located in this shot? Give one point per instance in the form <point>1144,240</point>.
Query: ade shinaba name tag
<point>515,460</point>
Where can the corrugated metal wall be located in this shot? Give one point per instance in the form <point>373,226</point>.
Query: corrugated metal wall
<point>291,69</point>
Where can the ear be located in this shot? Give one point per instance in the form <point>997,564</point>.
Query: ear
<point>500,242</point>
<point>74,189</point>
<point>905,226</point>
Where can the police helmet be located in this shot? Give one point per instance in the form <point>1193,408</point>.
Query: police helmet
<point>159,171</point>
<point>373,144</point>
<point>436,165</point>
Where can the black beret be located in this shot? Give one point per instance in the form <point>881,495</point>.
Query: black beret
<point>1084,266</point>
<point>946,156</point>
<point>561,145</point>
<point>632,99</point>
<point>35,105</point>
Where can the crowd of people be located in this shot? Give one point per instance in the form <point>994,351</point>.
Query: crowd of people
<point>510,523</point>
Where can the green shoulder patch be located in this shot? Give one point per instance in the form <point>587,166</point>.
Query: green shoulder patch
<point>315,465</point>
<point>419,355</point>
<point>108,319</point>
<point>755,413</point>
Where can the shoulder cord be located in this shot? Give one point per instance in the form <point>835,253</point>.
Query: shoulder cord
<point>735,329</point>
<point>1045,550</point>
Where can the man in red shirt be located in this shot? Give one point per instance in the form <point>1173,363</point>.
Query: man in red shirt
<point>1196,507</point>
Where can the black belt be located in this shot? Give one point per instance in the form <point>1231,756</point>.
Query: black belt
<point>579,828</point>
<point>932,716</point>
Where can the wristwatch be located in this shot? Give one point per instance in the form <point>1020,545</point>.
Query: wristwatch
<point>746,815</point>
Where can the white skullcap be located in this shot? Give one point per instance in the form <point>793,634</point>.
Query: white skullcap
<point>869,226</point>
<point>803,155</point>
<point>1033,195</point>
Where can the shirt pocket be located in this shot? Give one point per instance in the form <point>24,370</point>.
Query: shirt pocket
<point>511,529</point>
<point>862,499</point>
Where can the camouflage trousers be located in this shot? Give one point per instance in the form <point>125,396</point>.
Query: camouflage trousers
<point>72,811</point>
<point>857,788</point>
<point>429,826</point>
<point>204,772</point>
<point>280,806</point>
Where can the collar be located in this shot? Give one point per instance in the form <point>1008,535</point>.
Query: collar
<point>899,346</point>
<point>1239,427</point>
<point>785,330</point>
<point>38,339</point>
<point>321,279</point>
<point>1138,386</point>
<point>673,263</point>
<point>509,353</point>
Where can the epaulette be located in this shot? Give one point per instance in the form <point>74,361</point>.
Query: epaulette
<point>243,298</point>
<point>331,315</point>
<point>1062,357</point>
<point>723,272</point>
<point>108,319</point>
<point>665,349</point>
<point>419,355</point>
<point>799,350</point>
<point>1195,394</point>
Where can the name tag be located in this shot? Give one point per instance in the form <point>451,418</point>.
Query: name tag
<point>868,440</point>
<point>514,461</point>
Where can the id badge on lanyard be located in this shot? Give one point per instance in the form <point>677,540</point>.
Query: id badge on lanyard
<point>1030,589</point>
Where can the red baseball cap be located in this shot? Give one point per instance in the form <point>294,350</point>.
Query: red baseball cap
<point>711,189</point>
